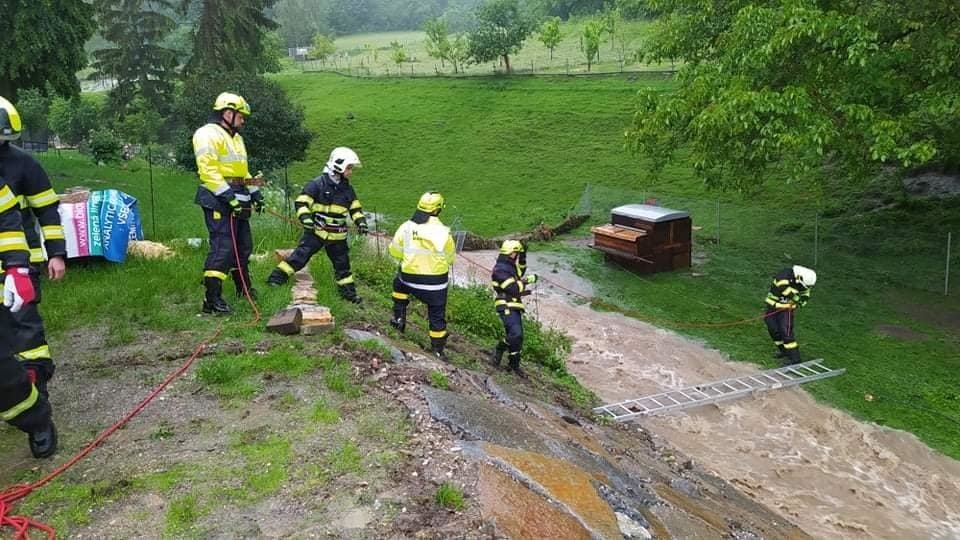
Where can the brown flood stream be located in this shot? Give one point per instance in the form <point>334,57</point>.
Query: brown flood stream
<point>832,475</point>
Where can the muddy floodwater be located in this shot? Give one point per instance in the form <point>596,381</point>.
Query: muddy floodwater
<point>832,475</point>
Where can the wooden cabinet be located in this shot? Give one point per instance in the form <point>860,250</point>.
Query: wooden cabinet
<point>646,238</point>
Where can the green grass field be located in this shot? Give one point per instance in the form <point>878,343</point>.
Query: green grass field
<point>511,153</point>
<point>370,55</point>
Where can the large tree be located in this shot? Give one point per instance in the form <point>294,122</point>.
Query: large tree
<point>804,88</point>
<point>230,36</point>
<point>140,65</point>
<point>41,42</point>
<point>501,30</point>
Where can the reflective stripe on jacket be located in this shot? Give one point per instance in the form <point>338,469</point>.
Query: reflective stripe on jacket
<point>786,292</point>
<point>219,157</point>
<point>507,283</point>
<point>332,206</point>
<point>425,252</point>
<point>39,203</point>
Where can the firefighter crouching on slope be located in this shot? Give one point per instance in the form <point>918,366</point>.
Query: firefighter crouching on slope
<point>425,250</point>
<point>510,280</point>
<point>227,194</point>
<point>790,289</point>
<point>323,208</point>
<point>38,205</point>
<point>21,403</point>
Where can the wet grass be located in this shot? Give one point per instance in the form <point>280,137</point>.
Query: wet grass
<point>438,379</point>
<point>181,517</point>
<point>450,497</point>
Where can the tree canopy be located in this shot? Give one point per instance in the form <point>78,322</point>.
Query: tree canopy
<point>803,88</point>
<point>230,36</point>
<point>42,43</point>
<point>137,60</point>
<point>501,30</point>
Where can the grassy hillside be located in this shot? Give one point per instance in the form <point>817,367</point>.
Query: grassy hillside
<point>511,153</point>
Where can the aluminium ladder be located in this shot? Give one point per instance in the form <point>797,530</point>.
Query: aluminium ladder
<point>702,394</point>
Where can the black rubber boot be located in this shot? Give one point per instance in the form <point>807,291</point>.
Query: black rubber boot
<point>43,443</point>
<point>438,345</point>
<point>400,323</point>
<point>498,353</point>
<point>349,293</point>
<point>515,365</point>
<point>781,352</point>
<point>792,357</point>
<point>239,283</point>
<point>277,277</point>
<point>212,301</point>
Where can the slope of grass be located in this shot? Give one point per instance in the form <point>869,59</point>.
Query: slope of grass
<point>511,153</point>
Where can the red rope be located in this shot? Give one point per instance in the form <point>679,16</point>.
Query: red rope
<point>22,525</point>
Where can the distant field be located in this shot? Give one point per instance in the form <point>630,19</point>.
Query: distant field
<point>353,58</point>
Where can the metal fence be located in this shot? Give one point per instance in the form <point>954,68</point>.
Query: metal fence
<point>830,241</point>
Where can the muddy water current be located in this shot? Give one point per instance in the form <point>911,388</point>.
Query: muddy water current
<point>832,475</point>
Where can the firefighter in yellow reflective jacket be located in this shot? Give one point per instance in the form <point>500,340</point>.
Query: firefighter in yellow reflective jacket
<point>325,207</point>
<point>425,250</point>
<point>40,219</point>
<point>21,403</point>
<point>227,194</point>
<point>790,289</point>
<point>510,281</point>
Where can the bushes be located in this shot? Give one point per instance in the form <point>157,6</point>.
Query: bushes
<point>104,146</point>
<point>74,119</point>
<point>275,134</point>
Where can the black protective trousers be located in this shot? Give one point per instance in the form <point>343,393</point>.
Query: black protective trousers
<point>436,302</point>
<point>780,327</point>
<point>30,340</point>
<point>337,251</point>
<point>221,257</point>
<point>15,386</point>
<point>513,326</point>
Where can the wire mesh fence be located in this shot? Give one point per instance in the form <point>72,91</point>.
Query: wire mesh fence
<point>911,257</point>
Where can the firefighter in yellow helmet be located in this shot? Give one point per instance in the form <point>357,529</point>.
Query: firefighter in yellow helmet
<point>21,403</point>
<point>425,251</point>
<point>510,280</point>
<point>40,219</point>
<point>228,195</point>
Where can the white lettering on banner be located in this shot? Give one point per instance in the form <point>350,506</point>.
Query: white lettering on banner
<point>109,216</point>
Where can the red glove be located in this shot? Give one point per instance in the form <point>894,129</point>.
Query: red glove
<point>17,288</point>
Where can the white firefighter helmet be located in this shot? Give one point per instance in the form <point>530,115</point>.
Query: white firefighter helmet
<point>805,276</point>
<point>341,158</point>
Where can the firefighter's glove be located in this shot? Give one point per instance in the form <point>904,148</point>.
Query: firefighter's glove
<point>307,222</point>
<point>530,279</point>
<point>256,200</point>
<point>363,228</point>
<point>17,288</point>
<point>235,206</point>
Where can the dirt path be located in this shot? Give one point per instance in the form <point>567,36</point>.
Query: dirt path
<point>834,476</point>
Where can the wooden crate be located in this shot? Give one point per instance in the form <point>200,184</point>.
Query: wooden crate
<point>646,238</point>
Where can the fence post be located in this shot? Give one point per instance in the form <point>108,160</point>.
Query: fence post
<point>946,275</point>
<point>718,222</point>
<point>816,239</point>
<point>153,199</point>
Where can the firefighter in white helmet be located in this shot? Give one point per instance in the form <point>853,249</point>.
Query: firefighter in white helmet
<point>790,290</point>
<point>326,206</point>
